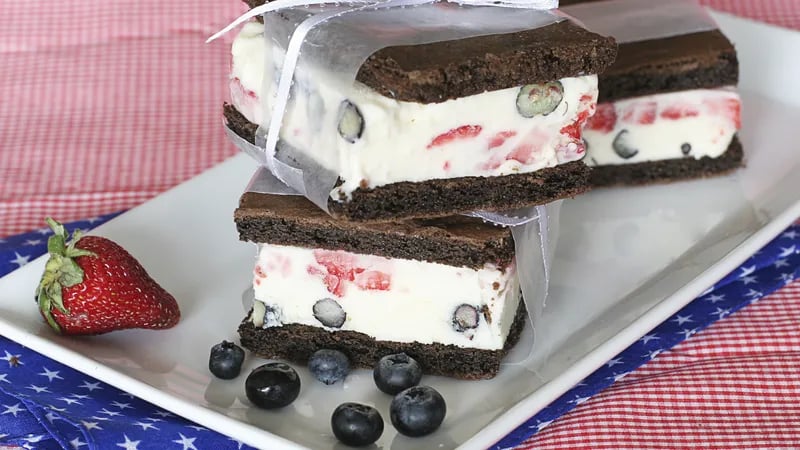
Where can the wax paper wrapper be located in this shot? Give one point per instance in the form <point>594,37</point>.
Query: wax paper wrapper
<point>535,233</point>
<point>310,72</point>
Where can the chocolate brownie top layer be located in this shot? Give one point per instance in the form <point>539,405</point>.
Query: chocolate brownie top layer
<point>294,220</point>
<point>691,61</point>
<point>669,170</point>
<point>435,72</point>
<point>443,197</point>
<point>296,343</point>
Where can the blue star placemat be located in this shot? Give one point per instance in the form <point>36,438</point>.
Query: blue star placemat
<point>46,405</point>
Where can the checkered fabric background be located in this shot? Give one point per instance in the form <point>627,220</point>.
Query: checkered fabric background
<point>106,104</point>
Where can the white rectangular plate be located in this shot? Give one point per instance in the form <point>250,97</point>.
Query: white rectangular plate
<point>626,260</point>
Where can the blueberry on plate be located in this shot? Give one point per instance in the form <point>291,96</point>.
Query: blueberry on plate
<point>356,425</point>
<point>272,385</point>
<point>225,360</point>
<point>393,373</point>
<point>417,411</point>
<point>329,366</point>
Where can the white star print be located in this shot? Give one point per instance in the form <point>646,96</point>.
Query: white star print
<point>649,337</point>
<point>188,443</point>
<point>749,280</point>
<point>747,271</point>
<point>614,362</point>
<point>57,409</point>
<point>682,319</point>
<point>688,333</point>
<point>618,376</point>
<point>715,298</point>
<point>790,234</point>
<point>80,396</point>
<point>90,386</point>
<point>163,414</point>
<point>576,400</point>
<point>2,435</point>
<point>3,377</point>
<point>122,405</point>
<point>154,419</point>
<point>50,374</point>
<point>787,277</point>
<point>781,263</point>
<point>38,389</point>
<point>129,444</point>
<point>12,409</point>
<point>90,425</point>
<point>198,428</point>
<point>77,443</point>
<point>70,401</point>
<point>44,231</point>
<point>541,425</point>
<point>785,252</point>
<point>753,293</point>
<point>27,446</point>
<point>652,355</point>
<point>34,439</point>
<point>20,260</point>
<point>237,442</point>
<point>33,242</point>
<point>145,426</point>
<point>102,419</point>
<point>13,360</point>
<point>126,394</point>
<point>51,416</point>
<point>92,220</point>
<point>110,413</point>
<point>721,313</point>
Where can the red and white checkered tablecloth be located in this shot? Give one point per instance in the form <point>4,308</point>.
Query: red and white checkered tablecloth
<point>106,104</point>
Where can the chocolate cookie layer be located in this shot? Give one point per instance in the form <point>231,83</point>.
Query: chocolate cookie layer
<point>702,60</point>
<point>443,197</point>
<point>295,221</point>
<point>435,72</point>
<point>669,170</point>
<point>296,343</point>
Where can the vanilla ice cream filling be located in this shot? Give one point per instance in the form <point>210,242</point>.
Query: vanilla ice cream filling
<point>388,299</point>
<point>686,124</point>
<point>372,140</point>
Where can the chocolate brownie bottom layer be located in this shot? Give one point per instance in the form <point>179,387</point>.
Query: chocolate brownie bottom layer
<point>296,343</point>
<point>670,169</point>
<point>295,221</point>
<point>444,197</point>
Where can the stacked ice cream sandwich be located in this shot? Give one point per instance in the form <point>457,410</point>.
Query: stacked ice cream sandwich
<point>668,107</point>
<point>429,132</point>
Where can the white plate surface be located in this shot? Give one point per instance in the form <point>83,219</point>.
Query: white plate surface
<point>626,260</point>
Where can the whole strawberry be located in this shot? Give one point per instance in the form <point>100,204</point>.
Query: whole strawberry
<point>91,285</point>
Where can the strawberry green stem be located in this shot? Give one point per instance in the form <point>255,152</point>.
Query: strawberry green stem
<point>60,271</point>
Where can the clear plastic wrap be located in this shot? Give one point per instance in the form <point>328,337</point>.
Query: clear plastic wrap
<point>641,20</point>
